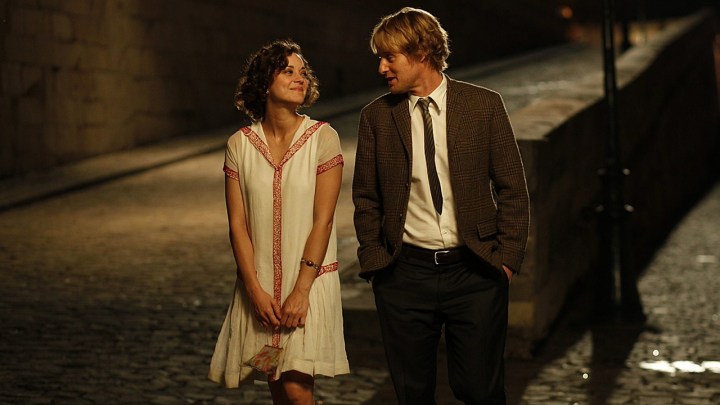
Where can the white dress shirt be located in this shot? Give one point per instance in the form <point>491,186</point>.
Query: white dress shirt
<point>424,227</point>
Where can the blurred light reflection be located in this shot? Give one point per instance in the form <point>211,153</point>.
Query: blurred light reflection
<point>683,366</point>
<point>662,366</point>
<point>566,12</point>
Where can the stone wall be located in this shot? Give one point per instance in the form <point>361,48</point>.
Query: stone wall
<point>85,77</point>
<point>670,139</point>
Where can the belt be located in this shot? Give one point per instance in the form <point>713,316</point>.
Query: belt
<point>437,257</point>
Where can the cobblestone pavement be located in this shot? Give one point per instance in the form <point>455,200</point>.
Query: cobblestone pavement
<point>673,359</point>
<point>116,293</point>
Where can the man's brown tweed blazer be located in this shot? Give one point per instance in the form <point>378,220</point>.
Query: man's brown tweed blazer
<point>487,178</point>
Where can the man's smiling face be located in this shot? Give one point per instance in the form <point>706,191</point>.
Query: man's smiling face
<point>401,73</point>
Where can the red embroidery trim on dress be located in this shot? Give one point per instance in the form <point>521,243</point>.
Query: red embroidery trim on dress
<point>277,245</point>
<point>301,141</point>
<point>327,269</point>
<point>337,160</point>
<point>262,147</point>
<point>231,173</point>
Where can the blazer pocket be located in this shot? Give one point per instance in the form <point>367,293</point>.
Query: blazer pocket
<point>487,228</point>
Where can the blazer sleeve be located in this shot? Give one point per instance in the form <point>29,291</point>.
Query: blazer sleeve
<point>508,177</point>
<point>367,198</point>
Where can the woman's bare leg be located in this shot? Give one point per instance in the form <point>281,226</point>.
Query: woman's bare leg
<point>298,388</point>
<point>277,392</point>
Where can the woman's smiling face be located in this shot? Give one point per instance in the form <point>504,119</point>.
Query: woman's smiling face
<point>290,84</point>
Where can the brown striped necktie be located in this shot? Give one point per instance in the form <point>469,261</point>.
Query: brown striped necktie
<point>435,190</point>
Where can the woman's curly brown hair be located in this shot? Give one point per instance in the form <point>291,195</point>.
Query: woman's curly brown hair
<point>259,73</point>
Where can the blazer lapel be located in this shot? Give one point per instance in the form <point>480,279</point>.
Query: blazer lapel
<point>401,115</point>
<point>455,106</point>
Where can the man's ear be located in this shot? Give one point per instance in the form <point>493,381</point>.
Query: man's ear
<point>421,58</point>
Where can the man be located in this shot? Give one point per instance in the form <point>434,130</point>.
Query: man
<point>441,214</point>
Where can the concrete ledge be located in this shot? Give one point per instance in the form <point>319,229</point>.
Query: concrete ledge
<point>668,113</point>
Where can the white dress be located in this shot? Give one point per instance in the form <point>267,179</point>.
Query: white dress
<point>279,211</point>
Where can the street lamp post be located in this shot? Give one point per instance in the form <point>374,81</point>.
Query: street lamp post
<point>616,292</point>
<point>625,43</point>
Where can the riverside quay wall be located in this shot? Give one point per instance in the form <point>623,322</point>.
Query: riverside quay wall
<point>670,142</point>
<point>82,78</point>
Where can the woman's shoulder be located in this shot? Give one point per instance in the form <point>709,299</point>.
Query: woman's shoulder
<point>322,128</point>
<point>242,133</point>
<point>315,129</point>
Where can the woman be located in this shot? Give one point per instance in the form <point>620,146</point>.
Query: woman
<point>283,176</point>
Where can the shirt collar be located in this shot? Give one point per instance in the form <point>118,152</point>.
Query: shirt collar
<point>437,95</point>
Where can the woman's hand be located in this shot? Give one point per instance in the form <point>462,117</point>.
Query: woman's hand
<point>294,310</point>
<point>267,311</point>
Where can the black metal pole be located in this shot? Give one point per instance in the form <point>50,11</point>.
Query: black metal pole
<point>617,288</point>
<point>642,20</point>
<point>625,44</point>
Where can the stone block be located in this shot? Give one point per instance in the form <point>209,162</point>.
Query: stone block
<point>90,29</point>
<point>149,10</point>
<point>30,22</point>
<point>212,16</point>
<point>521,315</point>
<point>70,6</point>
<point>127,31</point>
<point>151,127</point>
<point>81,7</point>
<point>93,57</point>
<point>30,141</point>
<point>64,54</point>
<point>163,35</point>
<point>163,96</point>
<point>212,41</point>
<point>138,62</point>
<point>19,49</point>
<point>98,139</point>
<point>7,141</point>
<point>66,143</point>
<point>4,13</point>
<point>65,112</point>
<point>12,84</point>
<point>62,27</point>
<point>31,76</point>
<point>31,111</point>
<point>115,88</point>
<point>71,84</point>
<point>93,113</point>
<point>523,284</point>
<point>125,103</point>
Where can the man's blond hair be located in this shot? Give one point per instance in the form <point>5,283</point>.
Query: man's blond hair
<point>415,33</point>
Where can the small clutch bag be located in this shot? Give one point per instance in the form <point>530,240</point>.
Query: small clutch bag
<point>266,360</point>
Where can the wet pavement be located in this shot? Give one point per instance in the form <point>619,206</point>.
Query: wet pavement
<point>114,291</point>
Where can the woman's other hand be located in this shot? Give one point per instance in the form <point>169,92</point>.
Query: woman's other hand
<point>267,311</point>
<point>294,310</point>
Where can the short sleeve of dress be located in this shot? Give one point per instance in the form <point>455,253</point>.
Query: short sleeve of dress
<point>231,166</point>
<point>329,150</point>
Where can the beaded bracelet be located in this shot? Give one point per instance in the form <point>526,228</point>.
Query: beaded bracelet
<point>310,263</point>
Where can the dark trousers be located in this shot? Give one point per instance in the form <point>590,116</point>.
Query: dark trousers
<point>415,299</point>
